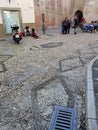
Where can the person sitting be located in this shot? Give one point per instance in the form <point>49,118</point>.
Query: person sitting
<point>95,26</point>
<point>34,33</point>
<point>86,27</point>
<point>27,31</point>
<point>92,26</point>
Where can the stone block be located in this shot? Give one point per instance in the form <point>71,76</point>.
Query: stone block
<point>70,63</point>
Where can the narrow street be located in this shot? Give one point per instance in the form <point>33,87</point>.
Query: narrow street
<point>40,73</point>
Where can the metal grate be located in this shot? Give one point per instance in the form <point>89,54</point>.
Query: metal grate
<point>63,118</point>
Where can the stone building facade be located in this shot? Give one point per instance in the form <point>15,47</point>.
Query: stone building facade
<point>91,10</point>
<point>88,8</point>
<point>52,11</point>
<point>55,11</point>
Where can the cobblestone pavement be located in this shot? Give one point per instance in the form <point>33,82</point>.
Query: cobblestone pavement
<point>40,73</point>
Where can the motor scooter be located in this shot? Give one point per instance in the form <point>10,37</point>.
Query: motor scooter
<point>16,36</point>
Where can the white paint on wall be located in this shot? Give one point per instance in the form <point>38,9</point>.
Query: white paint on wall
<point>6,3</point>
<point>26,6</point>
<point>27,9</point>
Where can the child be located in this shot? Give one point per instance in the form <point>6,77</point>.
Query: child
<point>27,31</point>
<point>34,33</point>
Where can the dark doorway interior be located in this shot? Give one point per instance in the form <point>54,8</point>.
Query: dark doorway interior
<point>79,15</point>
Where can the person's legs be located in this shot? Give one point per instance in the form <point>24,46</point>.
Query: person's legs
<point>62,29</point>
<point>65,30</point>
<point>68,30</point>
<point>75,32</point>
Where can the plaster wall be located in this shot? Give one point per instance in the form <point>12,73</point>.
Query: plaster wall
<point>91,10</point>
<point>79,5</point>
<point>27,9</point>
<point>68,7</point>
<point>55,11</point>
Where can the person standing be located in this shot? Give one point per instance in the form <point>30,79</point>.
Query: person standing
<point>75,24</point>
<point>65,26</point>
<point>62,26</point>
<point>68,25</point>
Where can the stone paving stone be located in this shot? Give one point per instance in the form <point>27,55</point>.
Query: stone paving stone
<point>6,51</point>
<point>1,69</point>
<point>85,51</point>
<point>95,49</point>
<point>78,74</point>
<point>50,95</point>
<point>87,58</point>
<point>3,58</point>
<point>70,63</point>
<point>95,44</point>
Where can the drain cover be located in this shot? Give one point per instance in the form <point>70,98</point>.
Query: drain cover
<point>63,118</point>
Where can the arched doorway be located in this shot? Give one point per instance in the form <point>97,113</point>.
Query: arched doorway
<point>79,15</point>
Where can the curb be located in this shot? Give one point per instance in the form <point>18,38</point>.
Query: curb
<point>91,121</point>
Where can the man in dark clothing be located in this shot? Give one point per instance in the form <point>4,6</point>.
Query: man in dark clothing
<point>64,26</point>
<point>75,25</point>
<point>68,25</point>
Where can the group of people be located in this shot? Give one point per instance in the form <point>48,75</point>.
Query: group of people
<point>90,27</point>
<point>30,32</point>
<point>65,27</point>
<point>67,24</point>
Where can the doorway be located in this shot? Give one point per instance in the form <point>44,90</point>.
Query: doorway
<point>79,15</point>
<point>10,18</point>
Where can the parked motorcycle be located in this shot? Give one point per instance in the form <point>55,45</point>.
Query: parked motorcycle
<point>16,36</point>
